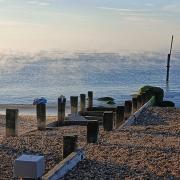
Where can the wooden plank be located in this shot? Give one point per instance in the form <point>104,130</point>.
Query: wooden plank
<point>76,117</point>
<point>93,113</point>
<point>94,118</point>
<point>101,109</point>
<point>65,166</point>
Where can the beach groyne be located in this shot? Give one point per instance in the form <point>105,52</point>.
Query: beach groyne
<point>89,133</point>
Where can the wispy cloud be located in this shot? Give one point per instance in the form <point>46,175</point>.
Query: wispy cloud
<point>134,19</point>
<point>136,15</point>
<point>173,8</point>
<point>149,4</point>
<point>39,3</point>
<point>20,23</point>
<point>121,9</point>
<point>141,19</point>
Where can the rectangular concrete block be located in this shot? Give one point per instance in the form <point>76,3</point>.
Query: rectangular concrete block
<point>29,166</point>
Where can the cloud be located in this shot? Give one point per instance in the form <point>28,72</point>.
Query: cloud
<point>173,8</point>
<point>121,9</point>
<point>131,12</point>
<point>20,23</point>
<point>135,19</point>
<point>39,3</point>
<point>146,14</point>
<point>149,5</point>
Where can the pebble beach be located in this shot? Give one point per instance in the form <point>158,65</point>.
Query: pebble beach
<point>149,149</point>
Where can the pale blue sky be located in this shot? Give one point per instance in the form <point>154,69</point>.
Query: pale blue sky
<point>102,25</point>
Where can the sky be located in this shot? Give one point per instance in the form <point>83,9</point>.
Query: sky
<point>89,25</point>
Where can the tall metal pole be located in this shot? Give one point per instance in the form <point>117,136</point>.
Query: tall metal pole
<point>169,59</point>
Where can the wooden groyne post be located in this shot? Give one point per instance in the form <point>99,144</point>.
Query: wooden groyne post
<point>139,101</point>
<point>69,144</point>
<point>119,115</point>
<point>169,59</point>
<point>148,95</point>
<point>74,104</point>
<point>61,109</point>
<point>82,103</point>
<point>11,122</point>
<point>92,131</point>
<point>108,120</point>
<point>134,104</point>
<point>90,99</point>
<point>41,116</point>
<point>143,98</point>
<point>127,109</point>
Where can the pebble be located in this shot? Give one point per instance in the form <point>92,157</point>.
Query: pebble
<point>149,149</point>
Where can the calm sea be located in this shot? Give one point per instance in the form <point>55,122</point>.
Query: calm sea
<point>25,76</point>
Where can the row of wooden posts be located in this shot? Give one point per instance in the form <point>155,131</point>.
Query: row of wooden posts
<point>119,113</point>
<point>112,117</point>
<point>12,114</point>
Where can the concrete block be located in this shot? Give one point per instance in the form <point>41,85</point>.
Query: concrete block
<point>29,166</point>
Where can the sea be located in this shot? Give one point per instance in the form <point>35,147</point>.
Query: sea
<point>25,76</point>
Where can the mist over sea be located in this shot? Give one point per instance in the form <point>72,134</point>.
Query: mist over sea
<point>25,76</point>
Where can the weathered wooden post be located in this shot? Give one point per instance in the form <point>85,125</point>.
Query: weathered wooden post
<point>11,122</point>
<point>127,109</point>
<point>149,95</point>
<point>61,109</point>
<point>139,101</point>
<point>82,103</point>
<point>168,67</point>
<point>74,104</point>
<point>143,98</point>
<point>119,115</point>
<point>134,105</point>
<point>69,144</point>
<point>169,59</point>
<point>90,99</point>
<point>41,116</point>
<point>108,121</point>
<point>92,131</point>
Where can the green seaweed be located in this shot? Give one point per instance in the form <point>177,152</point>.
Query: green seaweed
<point>111,102</point>
<point>106,99</point>
<point>154,91</point>
<point>167,104</point>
